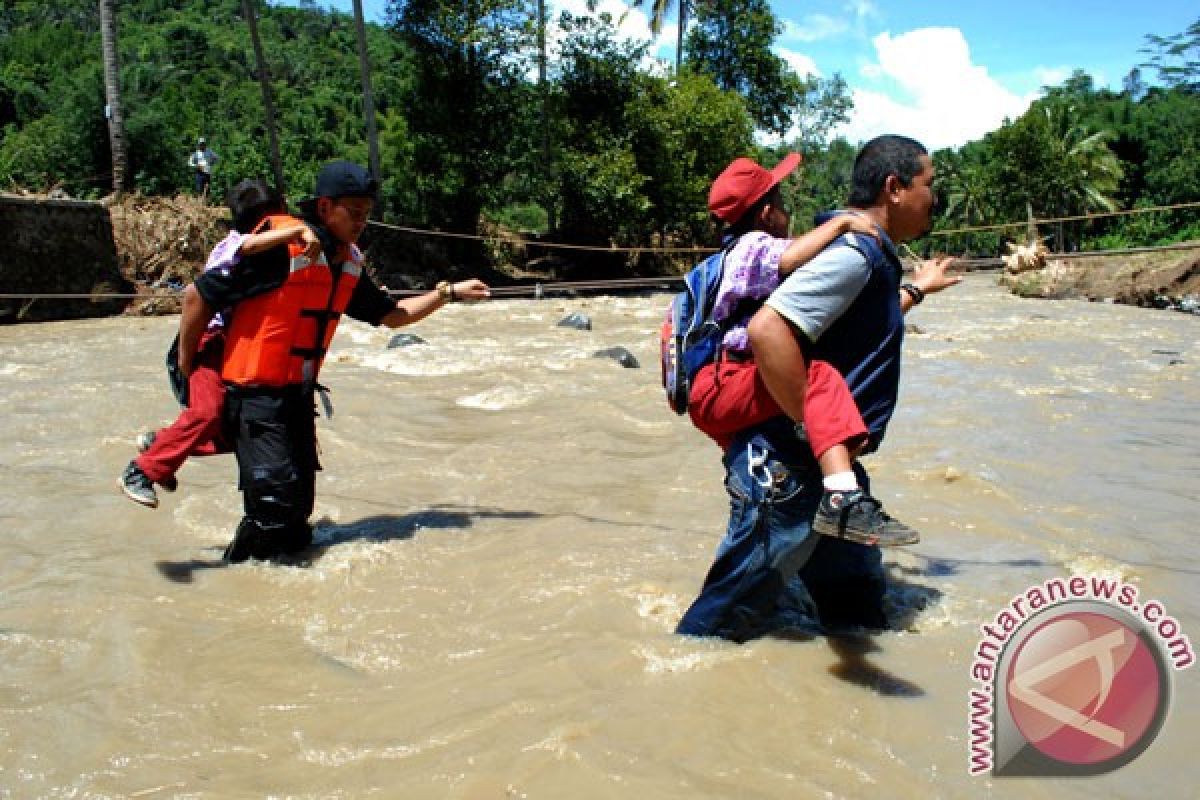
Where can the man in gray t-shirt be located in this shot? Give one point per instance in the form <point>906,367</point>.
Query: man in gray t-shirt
<point>846,306</point>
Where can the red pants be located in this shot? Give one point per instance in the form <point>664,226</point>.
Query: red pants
<point>198,430</point>
<point>729,396</point>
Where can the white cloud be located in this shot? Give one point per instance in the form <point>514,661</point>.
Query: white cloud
<point>632,24</point>
<point>1051,76</point>
<point>635,25</point>
<point>813,28</point>
<point>924,85</point>
<point>863,10</point>
<point>1057,76</point>
<point>802,65</point>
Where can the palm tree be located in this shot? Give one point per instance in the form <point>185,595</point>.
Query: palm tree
<point>112,92</point>
<point>543,90</point>
<point>1089,173</point>
<point>364,69</point>
<point>264,82</point>
<point>658,14</point>
<point>965,189</point>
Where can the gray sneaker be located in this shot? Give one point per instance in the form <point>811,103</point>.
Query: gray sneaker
<point>137,487</point>
<point>858,517</point>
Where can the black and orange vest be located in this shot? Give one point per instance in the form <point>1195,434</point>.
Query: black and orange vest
<point>279,338</point>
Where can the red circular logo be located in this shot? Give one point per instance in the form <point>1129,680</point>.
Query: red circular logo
<point>1084,688</point>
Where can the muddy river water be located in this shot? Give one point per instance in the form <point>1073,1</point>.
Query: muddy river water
<point>508,530</point>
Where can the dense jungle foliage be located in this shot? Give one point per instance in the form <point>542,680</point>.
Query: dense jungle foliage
<point>611,149</point>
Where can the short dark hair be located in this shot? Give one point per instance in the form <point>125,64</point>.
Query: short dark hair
<point>879,158</point>
<point>251,200</point>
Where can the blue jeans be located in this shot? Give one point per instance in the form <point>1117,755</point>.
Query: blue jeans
<point>771,570</point>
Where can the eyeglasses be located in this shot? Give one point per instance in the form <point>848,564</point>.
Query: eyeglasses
<point>356,212</point>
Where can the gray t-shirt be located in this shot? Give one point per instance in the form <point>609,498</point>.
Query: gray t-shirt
<point>815,295</point>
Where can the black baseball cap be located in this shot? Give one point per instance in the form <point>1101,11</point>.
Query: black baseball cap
<point>345,179</point>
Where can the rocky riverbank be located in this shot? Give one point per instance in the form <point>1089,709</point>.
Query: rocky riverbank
<point>161,244</point>
<point>1162,278</point>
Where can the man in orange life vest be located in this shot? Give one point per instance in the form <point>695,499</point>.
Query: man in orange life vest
<point>285,311</point>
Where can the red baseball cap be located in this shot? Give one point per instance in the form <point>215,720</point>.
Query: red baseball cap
<point>743,183</point>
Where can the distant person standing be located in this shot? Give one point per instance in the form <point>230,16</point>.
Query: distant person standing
<point>202,161</point>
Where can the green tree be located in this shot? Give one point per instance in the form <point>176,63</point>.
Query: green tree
<point>186,69</point>
<point>966,198</point>
<point>823,179</point>
<point>1054,163</point>
<point>469,58</point>
<point>638,151</point>
<point>52,126</point>
<point>683,134</point>
<point>731,43</point>
<point>1166,126</point>
<point>599,184</point>
<point>1176,58</point>
<point>364,67</point>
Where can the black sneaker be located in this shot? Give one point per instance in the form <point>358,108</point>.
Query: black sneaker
<point>858,517</point>
<point>137,487</point>
<point>144,442</point>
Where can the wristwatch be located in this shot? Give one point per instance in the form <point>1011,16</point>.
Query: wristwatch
<point>445,290</point>
<point>913,291</point>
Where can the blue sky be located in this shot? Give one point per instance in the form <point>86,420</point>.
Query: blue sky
<point>944,72</point>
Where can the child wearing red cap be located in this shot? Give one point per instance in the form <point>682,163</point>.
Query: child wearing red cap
<point>729,395</point>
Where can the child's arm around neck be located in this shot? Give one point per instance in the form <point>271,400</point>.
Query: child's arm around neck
<point>266,240</point>
<point>806,246</point>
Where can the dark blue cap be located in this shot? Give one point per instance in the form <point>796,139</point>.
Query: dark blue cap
<point>345,179</point>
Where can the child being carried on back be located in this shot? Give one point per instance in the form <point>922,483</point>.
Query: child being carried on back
<point>728,395</point>
<point>198,429</point>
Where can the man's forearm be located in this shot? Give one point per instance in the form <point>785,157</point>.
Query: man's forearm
<point>413,309</point>
<point>780,360</point>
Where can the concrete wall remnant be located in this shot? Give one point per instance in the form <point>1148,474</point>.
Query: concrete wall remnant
<point>56,247</point>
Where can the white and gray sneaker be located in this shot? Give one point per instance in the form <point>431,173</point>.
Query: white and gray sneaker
<point>137,487</point>
<point>858,517</point>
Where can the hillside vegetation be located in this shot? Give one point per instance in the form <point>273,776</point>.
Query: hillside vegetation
<point>611,150</point>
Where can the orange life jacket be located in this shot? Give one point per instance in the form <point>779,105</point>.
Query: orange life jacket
<point>280,337</point>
